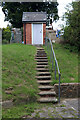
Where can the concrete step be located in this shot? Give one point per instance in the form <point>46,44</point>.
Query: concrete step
<point>48,100</point>
<point>41,55</point>
<point>46,87</point>
<point>42,63</point>
<point>42,60</point>
<point>43,77</point>
<point>42,69</point>
<point>43,73</point>
<point>40,48</point>
<point>43,87</point>
<point>44,81</point>
<point>47,93</point>
<point>42,66</point>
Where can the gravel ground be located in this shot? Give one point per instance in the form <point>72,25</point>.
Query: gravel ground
<point>68,108</point>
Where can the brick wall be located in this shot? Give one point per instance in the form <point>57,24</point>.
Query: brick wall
<point>28,33</point>
<point>44,32</point>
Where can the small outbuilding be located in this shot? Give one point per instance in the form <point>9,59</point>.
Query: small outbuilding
<point>34,27</point>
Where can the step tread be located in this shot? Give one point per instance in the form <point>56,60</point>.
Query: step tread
<point>42,62</point>
<point>42,69</point>
<point>43,73</point>
<point>46,87</point>
<point>49,99</point>
<point>44,81</point>
<point>43,65</point>
<point>47,93</point>
<point>40,57</point>
<point>43,76</point>
<point>40,48</point>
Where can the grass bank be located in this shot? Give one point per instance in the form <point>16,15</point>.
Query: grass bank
<point>68,64</point>
<point>18,79</point>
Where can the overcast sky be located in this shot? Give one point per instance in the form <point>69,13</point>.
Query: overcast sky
<point>61,11</point>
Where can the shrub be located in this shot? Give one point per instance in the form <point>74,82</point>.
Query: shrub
<point>71,31</point>
<point>6,35</point>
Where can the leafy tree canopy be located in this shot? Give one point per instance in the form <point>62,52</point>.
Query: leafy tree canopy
<point>13,11</point>
<point>72,29</point>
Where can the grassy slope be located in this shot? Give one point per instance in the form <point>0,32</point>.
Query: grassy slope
<point>68,64</point>
<point>18,72</point>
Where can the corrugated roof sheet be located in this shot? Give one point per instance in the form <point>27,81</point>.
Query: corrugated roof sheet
<point>34,16</point>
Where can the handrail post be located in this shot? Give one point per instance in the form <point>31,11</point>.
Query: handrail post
<point>52,62</point>
<point>55,70</point>
<point>59,88</point>
<point>53,59</point>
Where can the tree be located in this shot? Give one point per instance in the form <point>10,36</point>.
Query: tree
<point>6,34</point>
<point>13,11</point>
<point>72,29</point>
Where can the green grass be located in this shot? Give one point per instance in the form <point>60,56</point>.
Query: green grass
<point>18,73</point>
<point>68,64</point>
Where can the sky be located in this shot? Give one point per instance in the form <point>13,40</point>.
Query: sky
<point>61,11</point>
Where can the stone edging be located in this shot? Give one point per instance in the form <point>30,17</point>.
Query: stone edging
<point>68,90</point>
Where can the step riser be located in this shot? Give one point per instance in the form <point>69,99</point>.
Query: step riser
<point>44,83</point>
<point>43,78</point>
<point>47,96</point>
<point>40,58</point>
<point>43,70</point>
<point>43,89</point>
<point>47,101</point>
<point>41,67</point>
<point>42,51</point>
<point>43,74</point>
<point>40,55</point>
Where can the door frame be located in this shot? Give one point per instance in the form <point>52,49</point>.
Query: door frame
<point>32,32</point>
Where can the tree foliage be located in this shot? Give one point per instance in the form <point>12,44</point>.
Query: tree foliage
<point>6,35</point>
<point>72,29</point>
<point>13,10</point>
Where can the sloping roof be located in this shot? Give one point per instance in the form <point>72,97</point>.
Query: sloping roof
<point>34,17</point>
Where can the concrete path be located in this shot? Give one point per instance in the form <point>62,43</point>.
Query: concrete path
<point>68,108</point>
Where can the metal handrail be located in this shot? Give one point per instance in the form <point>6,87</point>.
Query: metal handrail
<point>56,64</point>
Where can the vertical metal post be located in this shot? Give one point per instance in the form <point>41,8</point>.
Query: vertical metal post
<point>52,60</point>
<point>59,89</point>
<point>55,69</point>
<point>47,43</point>
<point>51,55</point>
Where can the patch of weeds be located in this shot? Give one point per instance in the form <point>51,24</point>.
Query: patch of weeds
<point>64,110</point>
<point>62,105</point>
<point>37,115</point>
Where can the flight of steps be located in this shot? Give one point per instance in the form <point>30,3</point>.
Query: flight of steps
<point>47,93</point>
